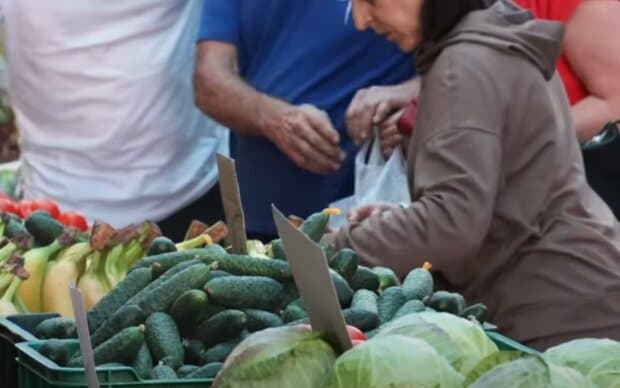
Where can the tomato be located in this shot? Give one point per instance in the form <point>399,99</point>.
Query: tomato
<point>26,207</point>
<point>74,219</point>
<point>5,196</point>
<point>356,342</point>
<point>48,205</point>
<point>355,333</point>
<point>6,205</point>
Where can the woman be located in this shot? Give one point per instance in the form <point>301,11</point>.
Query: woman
<point>500,202</point>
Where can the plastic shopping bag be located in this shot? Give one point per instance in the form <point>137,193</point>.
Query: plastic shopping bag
<point>376,180</point>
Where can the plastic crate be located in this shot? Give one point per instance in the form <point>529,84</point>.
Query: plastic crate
<point>37,371</point>
<point>15,329</point>
<point>505,343</point>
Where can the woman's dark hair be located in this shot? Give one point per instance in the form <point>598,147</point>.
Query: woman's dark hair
<point>440,16</point>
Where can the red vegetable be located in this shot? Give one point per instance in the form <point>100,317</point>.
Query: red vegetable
<point>26,207</point>
<point>6,205</point>
<point>355,333</point>
<point>48,205</point>
<point>74,219</point>
<point>357,342</point>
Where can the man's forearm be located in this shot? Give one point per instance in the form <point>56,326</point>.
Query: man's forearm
<point>591,114</point>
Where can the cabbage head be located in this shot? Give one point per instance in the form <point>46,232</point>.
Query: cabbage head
<point>279,357</point>
<point>394,361</point>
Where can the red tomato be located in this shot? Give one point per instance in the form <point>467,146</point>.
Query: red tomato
<point>48,205</point>
<point>6,205</point>
<point>26,207</point>
<point>74,219</point>
<point>4,196</point>
<point>356,342</point>
<point>355,333</point>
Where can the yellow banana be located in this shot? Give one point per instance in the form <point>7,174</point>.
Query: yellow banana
<point>61,273</point>
<point>35,262</point>
<point>93,283</point>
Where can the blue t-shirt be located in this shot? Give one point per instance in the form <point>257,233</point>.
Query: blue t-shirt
<point>301,51</point>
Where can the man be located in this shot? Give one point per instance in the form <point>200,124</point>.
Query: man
<point>281,75</point>
<point>103,99</point>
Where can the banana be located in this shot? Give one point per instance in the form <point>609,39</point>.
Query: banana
<point>94,284</point>
<point>35,262</point>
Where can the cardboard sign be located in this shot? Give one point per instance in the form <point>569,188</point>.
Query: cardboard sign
<point>84,335</point>
<point>231,200</point>
<point>313,281</point>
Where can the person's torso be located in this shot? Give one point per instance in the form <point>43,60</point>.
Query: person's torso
<point>302,51</point>
<point>104,103</point>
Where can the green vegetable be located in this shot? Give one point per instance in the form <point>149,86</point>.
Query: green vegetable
<point>219,352</point>
<point>15,228</point>
<point>364,278</point>
<point>122,348</point>
<point>218,274</point>
<point>188,309</point>
<point>315,225</point>
<point>365,300</point>
<point>449,302</point>
<point>278,357</point>
<point>246,292</point>
<point>345,262</point>
<point>477,311</point>
<point>117,297</point>
<point>163,372</point>
<point>389,302</point>
<point>43,227</point>
<point>411,307</point>
<point>260,319</point>
<point>143,362</point>
<point>387,277</point>
<point>277,249</point>
<point>343,290</point>
<point>163,262</point>
<point>208,371</point>
<point>290,293</point>
<point>127,316</point>
<point>55,350</point>
<point>193,350</point>
<point>244,265</point>
<point>294,312</point>
<point>186,370</point>
<point>419,283</point>
<point>57,327</point>
<point>221,327</point>
<point>362,319</point>
<point>161,245</point>
<point>393,361</point>
<point>164,340</point>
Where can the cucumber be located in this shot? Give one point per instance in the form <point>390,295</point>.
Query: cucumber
<point>188,308</point>
<point>315,225</point>
<point>193,350</point>
<point>143,363</point>
<point>163,262</point>
<point>389,302</point>
<point>364,278</point>
<point>131,285</point>
<point>277,250</point>
<point>365,300</point>
<point>329,250</point>
<point>244,265</point>
<point>221,327</point>
<point>418,284</point>
<point>411,307</point>
<point>57,327</point>
<point>449,302</point>
<point>55,350</point>
<point>208,371</point>
<point>127,316</point>
<point>343,290</point>
<point>219,352</point>
<point>159,245</point>
<point>293,312</point>
<point>162,297</point>
<point>122,348</point>
<point>345,262</point>
<point>186,370</point>
<point>43,227</point>
<point>15,228</point>
<point>477,311</point>
<point>362,319</point>
<point>218,274</point>
<point>164,340</point>
<point>260,319</point>
<point>290,293</point>
<point>163,372</point>
<point>387,278</point>
<point>246,292</point>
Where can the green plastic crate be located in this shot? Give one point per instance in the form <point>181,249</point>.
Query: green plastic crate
<point>505,343</point>
<point>15,329</point>
<point>37,371</point>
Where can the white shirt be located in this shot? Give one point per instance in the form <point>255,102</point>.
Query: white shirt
<point>103,98</point>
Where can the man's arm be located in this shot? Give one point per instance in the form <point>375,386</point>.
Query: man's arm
<point>304,133</point>
<point>592,48</point>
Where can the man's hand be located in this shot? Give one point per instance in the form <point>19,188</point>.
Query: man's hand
<point>305,134</point>
<point>362,213</point>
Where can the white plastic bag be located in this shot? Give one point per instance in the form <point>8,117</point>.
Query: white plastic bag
<point>376,180</point>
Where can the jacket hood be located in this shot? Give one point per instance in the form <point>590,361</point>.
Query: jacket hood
<point>505,27</point>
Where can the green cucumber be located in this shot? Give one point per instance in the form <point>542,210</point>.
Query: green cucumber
<point>362,319</point>
<point>365,300</point>
<point>163,372</point>
<point>184,371</point>
<point>218,274</point>
<point>55,350</point>
<point>246,292</point>
<point>418,284</point>
<point>290,293</point>
<point>208,371</point>
<point>343,290</point>
<point>164,340</point>
<point>131,285</point>
<point>193,350</point>
<point>163,262</point>
<point>187,309</point>
<point>477,311</point>
<point>277,250</point>
<point>43,227</point>
<point>159,245</point>
<point>411,307</point>
<point>364,278</point>
<point>221,327</point>
<point>122,347</point>
<point>261,319</point>
<point>389,302</point>
<point>143,363</point>
<point>126,316</point>
<point>219,352</point>
<point>449,302</point>
<point>387,277</point>
<point>329,250</point>
<point>15,228</point>
<point>345,262</point>
<point>293,312</point>
<point>315,225</point>
<point>244,265</point>
<point>57,327</point>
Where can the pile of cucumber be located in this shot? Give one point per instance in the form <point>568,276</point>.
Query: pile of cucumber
<point>180,314</point>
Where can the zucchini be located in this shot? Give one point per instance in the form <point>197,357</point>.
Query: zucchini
<point>477,311</point>
<point>57,327</point>
<point>193,350</point>
<point>260,319</point>
<point>244,265</point>
<point>411,307</point>
<point>143,362</point>
<point>387,277</point>
<point>55,350</point>
<point>389,302</point>
<point>186,370</point>
<point>418,284</point>
<point>246,292</point>
<point>345,262</point>
<point>43,227</point>
<point>188,308</point>
<point>364,278</point>
<point>127,316</point>
<point>159,245</point>
<point>131,285</point>
<point>449,302</point>
<point>221,327</point>
<point>343,290</point>
<point>164,340</point>
<point>208,371</point>
<point>163,372</point>
<point>362,319</point>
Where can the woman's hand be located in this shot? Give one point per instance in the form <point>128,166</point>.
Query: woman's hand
<point>390,135</point>
<point>362,213</point>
